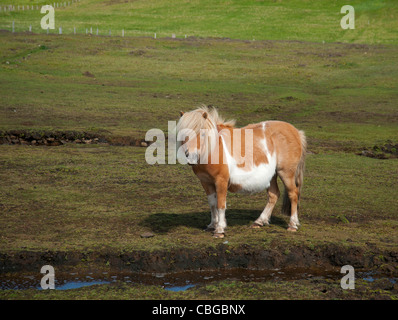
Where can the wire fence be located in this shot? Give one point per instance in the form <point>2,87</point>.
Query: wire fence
<point>18,26</point>
<point>89,31</point>
<point>11,7</point>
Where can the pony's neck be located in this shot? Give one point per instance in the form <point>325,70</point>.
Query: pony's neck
<point>223,127</point>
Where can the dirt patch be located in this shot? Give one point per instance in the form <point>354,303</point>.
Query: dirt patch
<point>112,2</point>
<point>386,150</point>
<point>57,138</point>
<point>137,52</point>
<point>212,258</point>
<point>88,74</point>
<point>332,145</point>
<point>359,117</point>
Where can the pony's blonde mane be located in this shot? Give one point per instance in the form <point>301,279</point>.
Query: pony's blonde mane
<point>195,120</point>
<point>203,119</point>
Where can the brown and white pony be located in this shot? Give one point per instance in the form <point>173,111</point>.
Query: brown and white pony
<point>247,159</point>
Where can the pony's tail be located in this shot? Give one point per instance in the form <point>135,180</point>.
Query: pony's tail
<point>299,176</point>
<point>301,165</point>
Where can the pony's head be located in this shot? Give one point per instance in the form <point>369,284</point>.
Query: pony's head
<point>197,134</point>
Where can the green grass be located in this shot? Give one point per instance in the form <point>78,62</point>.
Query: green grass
<point>142,83</point>
<point>72,198</point>
<point>342,95</point>
<point>101,198</point>
<point>375,21</point>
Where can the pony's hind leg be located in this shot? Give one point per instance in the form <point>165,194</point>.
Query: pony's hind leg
<point>290,201</point>
<point>273,195</point>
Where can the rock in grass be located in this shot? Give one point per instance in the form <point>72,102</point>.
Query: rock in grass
<point>147,235</point>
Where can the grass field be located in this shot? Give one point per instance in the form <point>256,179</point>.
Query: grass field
<point>101,198</point>
<point>316,21</point>
<point>69,198</point>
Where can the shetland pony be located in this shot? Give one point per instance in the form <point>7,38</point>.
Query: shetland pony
<point>247,159</point>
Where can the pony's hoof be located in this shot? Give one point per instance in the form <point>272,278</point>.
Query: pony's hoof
<point>218,235</point>
<point>255,226</point>
<point>292,229</point>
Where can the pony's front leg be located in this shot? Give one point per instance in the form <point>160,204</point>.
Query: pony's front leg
<point>210,190</point>
<point>212,198</point>
<point>221,189</point>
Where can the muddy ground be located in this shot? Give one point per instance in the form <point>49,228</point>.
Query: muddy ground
<point>246,272</point>
<point>220,257</point>
<point>58,138</point>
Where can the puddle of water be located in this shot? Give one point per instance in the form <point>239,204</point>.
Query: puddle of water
<point>169,281</point>
<point>76,285</point>
<point>180,288</point>
<point>369,279</point>
<point>372,276</point>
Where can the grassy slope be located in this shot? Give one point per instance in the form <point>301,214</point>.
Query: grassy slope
<point>291,20</point>
<point>335,92</point>
<point>76,198</point>
<point>342,95</point>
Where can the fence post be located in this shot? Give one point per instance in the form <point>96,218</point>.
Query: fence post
<point>60,30</point>
<point>13,26</point>
<point>122,32</point>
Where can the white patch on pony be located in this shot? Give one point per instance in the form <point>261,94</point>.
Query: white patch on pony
<point>222,222</point>
<point>212,199</point>
<point>257,178</point>
<point>294,222</point>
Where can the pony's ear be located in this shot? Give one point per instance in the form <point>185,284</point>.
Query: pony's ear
<point>205,115</point>
<point>181,113</point>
